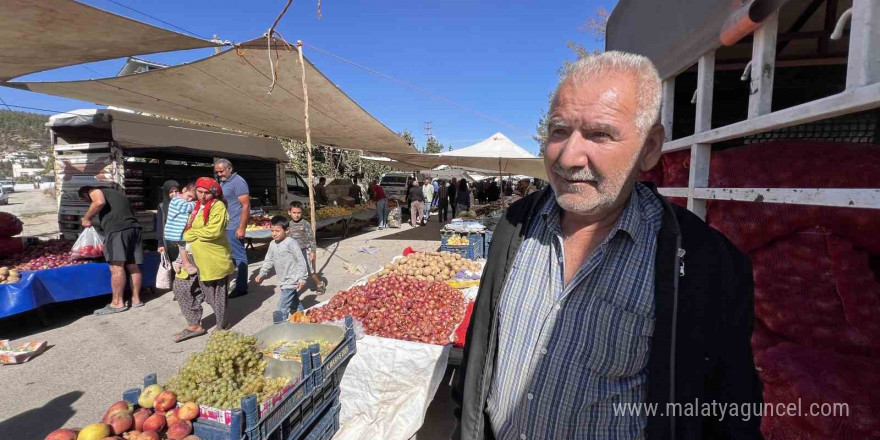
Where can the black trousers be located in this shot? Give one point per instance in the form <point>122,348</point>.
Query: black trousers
<point>442,210</point>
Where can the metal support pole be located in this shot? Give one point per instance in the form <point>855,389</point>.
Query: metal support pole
<point>666,111</point>
<point>699,171</point>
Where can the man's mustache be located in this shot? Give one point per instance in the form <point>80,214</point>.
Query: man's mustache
<point>583,174</point>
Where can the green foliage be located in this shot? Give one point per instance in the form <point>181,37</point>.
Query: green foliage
<point>595,24</point>
<point>332,162</point>
<point>432,146</point>
<point>19,129</point>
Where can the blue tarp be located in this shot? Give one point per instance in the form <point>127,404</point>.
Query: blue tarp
<point>41,287</point>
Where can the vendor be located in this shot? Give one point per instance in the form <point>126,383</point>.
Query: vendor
<point>238,201</point>
<point>321,198</point>
<point>122,243</point>
<point>206,235</point>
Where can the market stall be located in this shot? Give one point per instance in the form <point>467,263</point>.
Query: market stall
<point>412,313</point>
<point>67,283</point>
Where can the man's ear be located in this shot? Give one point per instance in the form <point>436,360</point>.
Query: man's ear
<point>652,148</point>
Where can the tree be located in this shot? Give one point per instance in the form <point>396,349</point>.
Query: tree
<point>594,24</point>
<point>432,146</point>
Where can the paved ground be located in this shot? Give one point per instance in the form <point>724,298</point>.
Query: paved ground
<point>92,360</point>
<point>37,210</point>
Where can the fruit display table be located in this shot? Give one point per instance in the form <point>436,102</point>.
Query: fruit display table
<point>68,283</point>
<point>390,382</point>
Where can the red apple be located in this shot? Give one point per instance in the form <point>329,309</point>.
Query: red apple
<point>172,417</point>
<point>148,435</point>
<point>192,437</point>
<point>140,416</point>
<point>189,411</point>
<point>120,422</point>
<point>165,401</point>
<point>62,434</point>
<point>154,423</point>
<point>117,407</point>
<point>179,430</point>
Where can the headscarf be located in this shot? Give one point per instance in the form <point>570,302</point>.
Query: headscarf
<point>166,200</point>
<point>215,189</point>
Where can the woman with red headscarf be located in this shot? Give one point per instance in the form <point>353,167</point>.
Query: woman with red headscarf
<point>206,235</point>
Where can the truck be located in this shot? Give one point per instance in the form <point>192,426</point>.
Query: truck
<point>394,184</point>
<point>136,153</point>
<point>770,110</point>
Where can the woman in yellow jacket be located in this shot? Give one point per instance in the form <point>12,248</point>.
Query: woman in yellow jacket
<point>206,236</point>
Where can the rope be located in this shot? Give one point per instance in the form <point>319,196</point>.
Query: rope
<point>269,34</point>
<point>424,92</point>
<point>4,103</point>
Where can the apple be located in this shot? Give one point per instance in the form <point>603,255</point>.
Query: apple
<point>179,430</point>
<point>117,407</point>
<point>192,437</point>
<point>155,422</point>
<point>165,401</point>
<point>140,416</point>
<point>148,435</point>
<point>148,396</point>
<point>172,417</point>
<point>62,434</point>
<point>189,411</point>
<point>120,422</point>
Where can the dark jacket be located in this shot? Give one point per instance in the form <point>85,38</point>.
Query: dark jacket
<point>701,344</point>
<point>416,194</point>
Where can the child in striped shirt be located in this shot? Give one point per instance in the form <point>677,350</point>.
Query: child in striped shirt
<point>179,211</point>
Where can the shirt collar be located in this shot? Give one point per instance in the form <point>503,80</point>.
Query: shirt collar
<point>630,220</point>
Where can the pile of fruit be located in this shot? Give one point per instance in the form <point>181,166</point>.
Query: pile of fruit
<point>158,416</point>
<point>356,209</point>
<point>331,212</point>
<point>290,350</point>
<point>256,222</point>
<point>47,255</point>
<point>467,214</point>
<point>429,266</point>
<point>8,276</point>
<point>458,240</point>
<point>399,307</point>
<point>229,368</point>
<point>88,252</point>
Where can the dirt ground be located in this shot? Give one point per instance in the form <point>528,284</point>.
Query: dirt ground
<point>37,210</point>
<point>92,360</point>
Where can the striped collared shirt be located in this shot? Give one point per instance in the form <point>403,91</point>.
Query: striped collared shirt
<point>568,354</point>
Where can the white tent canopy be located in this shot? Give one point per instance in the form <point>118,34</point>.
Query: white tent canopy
<point>38,35</point>
<point>497,145</point>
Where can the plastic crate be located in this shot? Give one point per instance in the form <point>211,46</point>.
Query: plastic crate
<point>298,408</point>
<point>472,250</point>
<point>326,426</point>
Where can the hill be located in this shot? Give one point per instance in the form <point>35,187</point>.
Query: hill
<point>20,129</point>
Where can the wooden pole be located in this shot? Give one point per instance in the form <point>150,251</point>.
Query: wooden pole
<point>308,142</point>
<point>501,177</point>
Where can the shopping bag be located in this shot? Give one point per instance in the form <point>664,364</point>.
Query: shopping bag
<point>165,274</point>
<point>90,244</point>
<point>395,218</point>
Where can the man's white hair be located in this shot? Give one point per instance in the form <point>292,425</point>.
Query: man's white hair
<point>649,90</point>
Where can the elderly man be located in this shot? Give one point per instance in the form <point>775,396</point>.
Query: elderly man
<point>599,295</point>
<point>428,192</point>
<point>238,204</point>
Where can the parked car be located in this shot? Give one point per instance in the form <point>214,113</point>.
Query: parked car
<point>8,185</point>
<point>4,196</point>
<point>394,184</point>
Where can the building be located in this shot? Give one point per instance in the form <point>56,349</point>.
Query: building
<point>19,171</point>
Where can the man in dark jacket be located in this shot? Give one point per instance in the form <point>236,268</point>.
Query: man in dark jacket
<point>604,312</point>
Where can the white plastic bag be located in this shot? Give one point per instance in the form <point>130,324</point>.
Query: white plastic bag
<point>90,244</point>
<point>165,274</point>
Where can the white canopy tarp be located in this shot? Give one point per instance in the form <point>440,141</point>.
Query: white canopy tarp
<point>397,165</point>
<point>229,90</point>
<point>38,35</point>
<point>131,130</point>
<point>497,145</point>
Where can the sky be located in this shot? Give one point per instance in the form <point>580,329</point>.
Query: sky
<point>495,57</point>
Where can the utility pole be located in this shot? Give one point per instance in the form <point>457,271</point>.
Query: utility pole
<point>427,135</point>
